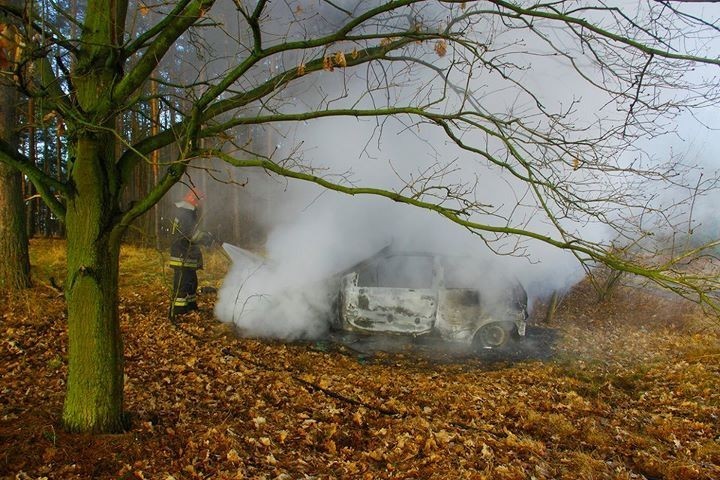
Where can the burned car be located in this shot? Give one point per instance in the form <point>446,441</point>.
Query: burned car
<point>390,293</point>
<point>427,294</point>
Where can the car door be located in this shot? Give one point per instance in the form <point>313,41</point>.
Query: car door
<point>395,294</point>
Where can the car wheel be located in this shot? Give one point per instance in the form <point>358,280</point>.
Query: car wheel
<point>492,335</point>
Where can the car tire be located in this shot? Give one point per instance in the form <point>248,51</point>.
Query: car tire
<point>493,335</point>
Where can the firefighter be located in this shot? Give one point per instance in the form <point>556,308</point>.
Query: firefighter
<point>185,255</point>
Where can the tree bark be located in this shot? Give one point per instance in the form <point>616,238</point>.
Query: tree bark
<point>94,397</point>
<point>44,211</point>
<point>155,156</point>
<point>94,400</point>
<point>14,258</point>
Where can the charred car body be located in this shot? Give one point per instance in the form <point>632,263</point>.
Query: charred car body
<point>427,294</point>
<point>418,294</point>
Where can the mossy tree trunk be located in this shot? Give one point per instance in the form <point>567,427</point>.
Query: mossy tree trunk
<point>94,399</point>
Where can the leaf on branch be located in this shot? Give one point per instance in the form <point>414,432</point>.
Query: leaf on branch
<point>355,54</point>
<point>328,64</point>
<point>301,70</point>
<point>441,48</point>
<point>576,163</point>
<point>144,9</point>
<point>386,41</point>
<point>339,59</point>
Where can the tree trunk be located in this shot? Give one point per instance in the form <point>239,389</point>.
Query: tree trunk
<point>14,259</point>
<point>44,209</point>
<point>155,156</point>
<point>31,206</point>
<point>94,397</point>
<point>59,228</point>
<point>94,400</point>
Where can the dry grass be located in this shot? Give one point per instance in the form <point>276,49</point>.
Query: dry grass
<point>140,268</point>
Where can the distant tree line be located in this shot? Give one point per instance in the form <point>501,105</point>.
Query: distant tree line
<point>43,140</point>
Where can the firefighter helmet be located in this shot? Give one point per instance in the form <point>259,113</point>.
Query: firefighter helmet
<point>194,196</point>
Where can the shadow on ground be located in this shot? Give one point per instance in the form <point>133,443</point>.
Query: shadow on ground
<point>538,344</point>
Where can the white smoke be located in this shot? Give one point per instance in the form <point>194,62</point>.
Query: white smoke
<point>317,233</point>
<point>283,294</point>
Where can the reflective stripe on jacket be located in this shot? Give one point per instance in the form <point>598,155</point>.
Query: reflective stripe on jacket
<point>183,262</point>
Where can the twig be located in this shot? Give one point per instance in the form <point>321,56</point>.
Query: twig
<point>338,396</point>
<point>59,288</point>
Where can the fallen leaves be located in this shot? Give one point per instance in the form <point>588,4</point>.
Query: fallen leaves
<point>214,406</point>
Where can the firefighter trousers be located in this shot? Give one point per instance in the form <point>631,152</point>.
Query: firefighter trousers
<point>185,283</point>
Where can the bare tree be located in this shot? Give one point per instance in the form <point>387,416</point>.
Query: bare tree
<point>469,70</point>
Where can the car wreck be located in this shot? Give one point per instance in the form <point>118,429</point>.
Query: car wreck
<point>420,293</point>
<point>454,298</point>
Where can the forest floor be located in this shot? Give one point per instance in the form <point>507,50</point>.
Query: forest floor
<point>625,388</point>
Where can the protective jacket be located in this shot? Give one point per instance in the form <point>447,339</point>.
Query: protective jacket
<point>185,249</point>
